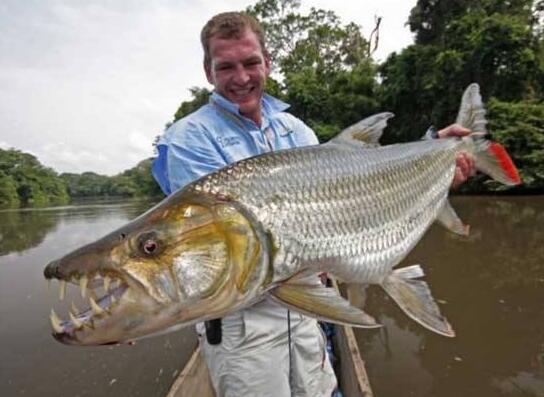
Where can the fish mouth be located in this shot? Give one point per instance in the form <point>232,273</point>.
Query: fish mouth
<point>102,293</point>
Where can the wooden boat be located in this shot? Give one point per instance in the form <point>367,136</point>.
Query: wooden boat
<point>353,381</point>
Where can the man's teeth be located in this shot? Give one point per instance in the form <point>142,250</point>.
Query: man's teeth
<point>244,91</point>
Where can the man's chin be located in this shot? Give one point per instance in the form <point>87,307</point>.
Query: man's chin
<point>250,107</point>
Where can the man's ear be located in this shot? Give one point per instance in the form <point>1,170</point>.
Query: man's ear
<point>208,71</point>
<point>267,63</point>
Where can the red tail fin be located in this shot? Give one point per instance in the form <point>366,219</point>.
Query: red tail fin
<point>492,159</point>
<point>505,162</point>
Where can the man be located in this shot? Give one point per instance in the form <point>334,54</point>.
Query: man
<point>264,350</point>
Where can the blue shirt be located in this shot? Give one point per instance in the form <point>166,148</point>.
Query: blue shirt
<point>217,134</point>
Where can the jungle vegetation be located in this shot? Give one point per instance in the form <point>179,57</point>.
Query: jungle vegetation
<point>326,71</point>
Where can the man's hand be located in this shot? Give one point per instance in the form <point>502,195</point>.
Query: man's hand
<point>464,162</point>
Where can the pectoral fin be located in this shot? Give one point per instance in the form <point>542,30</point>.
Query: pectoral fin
<point>414,298</point>
<point>324,303</point>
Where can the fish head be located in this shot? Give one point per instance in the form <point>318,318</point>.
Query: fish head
<point>191,258</point>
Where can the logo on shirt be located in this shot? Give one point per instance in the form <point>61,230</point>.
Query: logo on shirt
<point>226,141</point>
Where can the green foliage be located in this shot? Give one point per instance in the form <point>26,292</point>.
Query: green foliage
<point>135,182</point>
<point>34,183</point>
<point>8,191</point>
<point>459,43</point>
<point>329,104</point>
<point>139,180</point>
<point>520,127</point>
<point>87,184</point>
<point>495,43</point>
<point>200,97</point>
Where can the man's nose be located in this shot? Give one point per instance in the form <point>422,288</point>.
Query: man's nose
<point>241,76</point>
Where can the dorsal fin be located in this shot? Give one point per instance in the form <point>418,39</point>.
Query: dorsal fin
<point>367,131</point>
<point>472,112</point>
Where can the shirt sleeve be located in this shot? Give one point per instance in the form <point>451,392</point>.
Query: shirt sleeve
<point>305,136</point>
<point>185,153</point>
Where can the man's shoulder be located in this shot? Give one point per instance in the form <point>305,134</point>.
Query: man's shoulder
<point>294,126</point>
<point>193,126</point>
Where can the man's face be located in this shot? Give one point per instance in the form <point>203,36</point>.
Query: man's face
<point>238,70</point>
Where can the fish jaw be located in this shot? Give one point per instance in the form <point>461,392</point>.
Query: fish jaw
<point>188,259</point>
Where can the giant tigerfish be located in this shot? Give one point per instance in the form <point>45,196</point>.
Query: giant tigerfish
<point>259,227</point>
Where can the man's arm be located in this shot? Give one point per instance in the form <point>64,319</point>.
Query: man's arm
<point>464,162</point>
<point>184,156</point>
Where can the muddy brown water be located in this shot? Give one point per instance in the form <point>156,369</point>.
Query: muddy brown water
<point>490,286</point>
<point>33,364</point>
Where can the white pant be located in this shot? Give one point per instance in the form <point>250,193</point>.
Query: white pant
<point>253,357</point>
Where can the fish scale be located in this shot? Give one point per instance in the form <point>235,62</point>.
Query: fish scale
<point>290,193</point>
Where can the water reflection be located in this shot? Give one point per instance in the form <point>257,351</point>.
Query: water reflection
<point>20,231</point>
<point>491,286</point>
<point>33,364</point>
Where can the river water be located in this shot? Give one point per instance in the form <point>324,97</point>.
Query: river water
<point>490,286</point>
<point>33,364</point>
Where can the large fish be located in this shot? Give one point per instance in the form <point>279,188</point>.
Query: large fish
<point>259,227</point>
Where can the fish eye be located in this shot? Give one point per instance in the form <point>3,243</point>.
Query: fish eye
<point>148,243</point>
<point>149,246</point>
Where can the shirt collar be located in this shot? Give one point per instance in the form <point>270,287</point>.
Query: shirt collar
<point>270,104</point>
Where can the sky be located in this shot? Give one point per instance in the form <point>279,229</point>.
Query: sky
<point>86,85</point>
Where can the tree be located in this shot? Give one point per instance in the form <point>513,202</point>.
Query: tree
<point>200,97</point>
<point>34,183</point>
<point>498,44</point>
<point>8,191</point>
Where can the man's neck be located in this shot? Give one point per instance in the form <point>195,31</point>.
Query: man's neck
<point>256,117</point>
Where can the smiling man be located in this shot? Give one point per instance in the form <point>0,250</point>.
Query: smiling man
<point>264,350</point>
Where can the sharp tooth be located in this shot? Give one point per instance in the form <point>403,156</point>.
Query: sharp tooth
<point>74,308</point>
<point>96,309</point>
<point>92,294</point>
<point>106,283</point>
<point>74,320</point>
<point>112,300</point>
<point>83,285</point>
<point>55,322</point>
<point>62,289</point>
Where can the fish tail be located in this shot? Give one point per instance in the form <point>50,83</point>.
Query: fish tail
<point>415,299</point>
<point>491,157</point>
